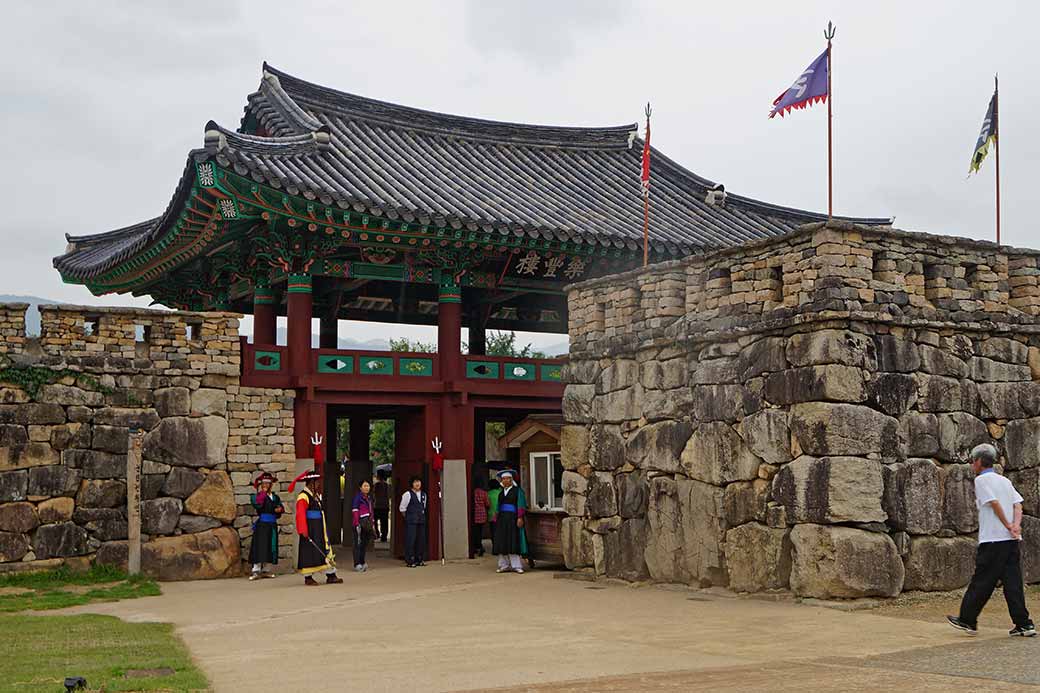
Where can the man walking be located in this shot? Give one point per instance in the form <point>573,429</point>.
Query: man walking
<point>998,557</point>
<point>509,541</point>
<point>413,507</point>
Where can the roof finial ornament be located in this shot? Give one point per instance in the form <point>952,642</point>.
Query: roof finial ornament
<point>632,136</point>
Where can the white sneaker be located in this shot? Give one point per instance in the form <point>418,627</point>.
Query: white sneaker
<point>519,571</point>
<point>254,576</point>
<point>502,570</point>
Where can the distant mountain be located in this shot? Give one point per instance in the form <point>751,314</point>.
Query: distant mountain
<point>32,316</point>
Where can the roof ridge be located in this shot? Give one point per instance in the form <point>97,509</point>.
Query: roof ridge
<point>295,89</point>
<point>219,138</point>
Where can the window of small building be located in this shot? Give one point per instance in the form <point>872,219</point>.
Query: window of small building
<point>193,330</point>
<point>546,481</point>
<point>91,326</point>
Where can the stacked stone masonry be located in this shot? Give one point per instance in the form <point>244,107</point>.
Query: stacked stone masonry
<point>68,401</point>
<point>796,413</point>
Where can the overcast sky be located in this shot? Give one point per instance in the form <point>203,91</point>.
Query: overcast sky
<point>103,100</point>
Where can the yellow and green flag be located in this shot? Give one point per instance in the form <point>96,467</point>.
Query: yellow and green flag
<point>987,135</point>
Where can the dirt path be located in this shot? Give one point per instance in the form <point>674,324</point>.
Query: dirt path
<point>444,627</point>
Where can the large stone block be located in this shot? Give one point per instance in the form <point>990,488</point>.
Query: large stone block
<point>1030,549</point>
<point>57,393</point>
<point>577,544</point>
<point>767,435</point>
<point>188,442</point>
<point>896,354</point>
<point>95,464</point>
<point>208,401</point>
<point>111,439</point>
<point>103,524</point>
<point>893,393</point>
<point>829,561</point>
<point>935,564</point>
<point>12,485</point>
<point>716,454</point>
<point>577,403</point>
<point>984,370</point>
<point>33,413</point>
<point>160,516</point>
<point>574,446</point>
<point>823,428</point>
<point>601,500</point>
<point>703,531</point>
<point>71,435</point>
<point>725,402</point>
<point>913,498</point>
<point>173,401</point>
<point>832,346</point>
<point>831,489</point>
<point>13,546</point>
<point>938,361</point>
<point>608,448</point>
<point>1022,439</point>
<point>633,494</point>
<point>766,355</point>
<point>958,434</point>
<point>18,517</point>
<point>939,394</point>
<point>31,454</point>
<point>60,540</point>
<point>190,524</point>
<point>214,498</point>
<point>758,558</point>
<point>199,556</point>
<point>1027,482</point>
<point>919,434</point>
<point>101,493</point>
<point>830,382</point>
<point>658,446</point>
<point>958,498</point>
<point>1004,400</point>
<point>623,551</point>
<point>664,375</point>
<point>621,374</point>
<point>1004,349</point>
<point>664,555</point>
<point>745,501</point>
<point>144,419</point>
<point>619,406</point>
<point>181,482</point>
<point>55,480</point>
<point>56,510</point>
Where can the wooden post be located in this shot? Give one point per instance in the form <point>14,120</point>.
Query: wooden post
<point>996,144</point>
<point>300,312</point>
<point>133,501</point>
<point>264,315</point>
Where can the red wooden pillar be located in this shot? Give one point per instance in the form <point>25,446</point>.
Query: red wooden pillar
<point>264,317</point>
<point>300,311</point>
<point>449,329</point>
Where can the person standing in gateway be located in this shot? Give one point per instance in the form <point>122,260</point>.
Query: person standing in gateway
<point>999,554</point>
<point>263,548</point>
<point>314,555</point>
<point>413,507</point>
<point>508,542</point>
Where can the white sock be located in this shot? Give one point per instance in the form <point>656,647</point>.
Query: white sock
<point>258,567</point>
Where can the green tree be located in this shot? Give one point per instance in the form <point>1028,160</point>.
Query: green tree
<point>416,347</point>
<point>504,344</point>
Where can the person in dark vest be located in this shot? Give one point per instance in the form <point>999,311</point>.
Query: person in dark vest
<point>315,554</point>
<point>263,547</point>
<point>413,507</point>
<point>509,540</point>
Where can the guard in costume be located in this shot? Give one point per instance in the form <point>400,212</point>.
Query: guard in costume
<point>314,555</point>
<point>510,540</point>
<point>263,548</point>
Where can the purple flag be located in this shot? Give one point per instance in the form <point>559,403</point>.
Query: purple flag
<point>809,88</point>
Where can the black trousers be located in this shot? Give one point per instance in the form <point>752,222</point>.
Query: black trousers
<point>414,543</point>
<point>477,538</point>
<point>996,560</point>
<point>361,538</point>
<point>382,516</point>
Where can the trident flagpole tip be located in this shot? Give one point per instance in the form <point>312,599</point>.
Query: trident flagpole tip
<point>830,31</point>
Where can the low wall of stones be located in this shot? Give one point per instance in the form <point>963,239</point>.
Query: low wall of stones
<point>796,414</point>
<point>68,401</point>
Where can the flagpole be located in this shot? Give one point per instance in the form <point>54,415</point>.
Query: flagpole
<point>829,34</point>
<point>646,204</point>
<point>996,142</point>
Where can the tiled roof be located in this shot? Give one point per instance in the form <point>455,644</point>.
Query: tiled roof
<point>560,183</point>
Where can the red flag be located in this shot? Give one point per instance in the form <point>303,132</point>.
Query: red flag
<point>645,177</point>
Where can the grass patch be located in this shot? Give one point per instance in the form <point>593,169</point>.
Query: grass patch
<point>51,589</point>
<point>40,651</point>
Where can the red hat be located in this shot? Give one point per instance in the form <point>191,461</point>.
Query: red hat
<point>265,476</point>
<point>306,476</point>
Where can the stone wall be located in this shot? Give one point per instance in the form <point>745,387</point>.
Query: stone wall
<point>796,413</point>
<point>67,403</point>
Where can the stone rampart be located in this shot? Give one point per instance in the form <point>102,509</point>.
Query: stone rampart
<point>796,413</point>
<point>68,400</point>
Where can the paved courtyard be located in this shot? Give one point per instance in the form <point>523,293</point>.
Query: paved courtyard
<point>444,628</point>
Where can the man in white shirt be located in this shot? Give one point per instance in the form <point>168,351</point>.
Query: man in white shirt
<point>998,557</point>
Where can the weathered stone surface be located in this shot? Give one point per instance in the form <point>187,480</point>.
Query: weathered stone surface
<point>1022,439</point>
<point>71,435</point>
<point>633,494</point>
<point>12,485</point>
<point>19,517</point>
<point>160,516</point>
<point>913,498</point>
<point>602,525</point>
<point>744,501</point>
<point>958,434</point>
<point>577,403</point>
<point>939,565</point>
<point>664,544</point>
<point>190,524</point>
<point>713,371</point>
<point>1030,549</point>
<point>767,435</point>
<point>35,413</point>
<point>60,540</point>
<point>984,370</point>
<point>30,454</point>
<point>1027,482</point>
<point>831,382</point>
<point>602,499</point>
<point>55,480</point>
<point>765,355</point>
<point>831,489</point>
<point>173,401</point>
<point>206,401</point>
<point>56,510</point>
<point>1001,400</point>
<point>574,446</point>
<point>189,442</point>
<point>896,354</point>
<point>199,556</point>
<point>111,439</point>
<point>832,346</point>
<point>938,361</point>
<point>725,402</point>
<point>940,394</point>
<point>685,532</point>
<point>657,446</point>
<point>13,546</point>
<point>1004,349</point>
<point>94,464</point>
<point>144,419</point>
<point>182,482</point>
<point>572,482</point>
<point>893,393</point>
<point>101,493</point>
<point>623,555</point>
<point>919,434</point>
<point>664,375</point>
<point>619,406</point>
<point>758,558</point>
<point>10,395</point>
<point>65,394</point>
<point>214,498</point>
<point>104,524</point>
<point>577,544</point>
<point>822,429</point>
<point>619,375</point>
<point>829,561</point>
<point>716,454</point>
<point>12,436</point>
<point>151,485</point>
<point>574,504</point>
<point>958,498</point>
<point>608,448</point>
